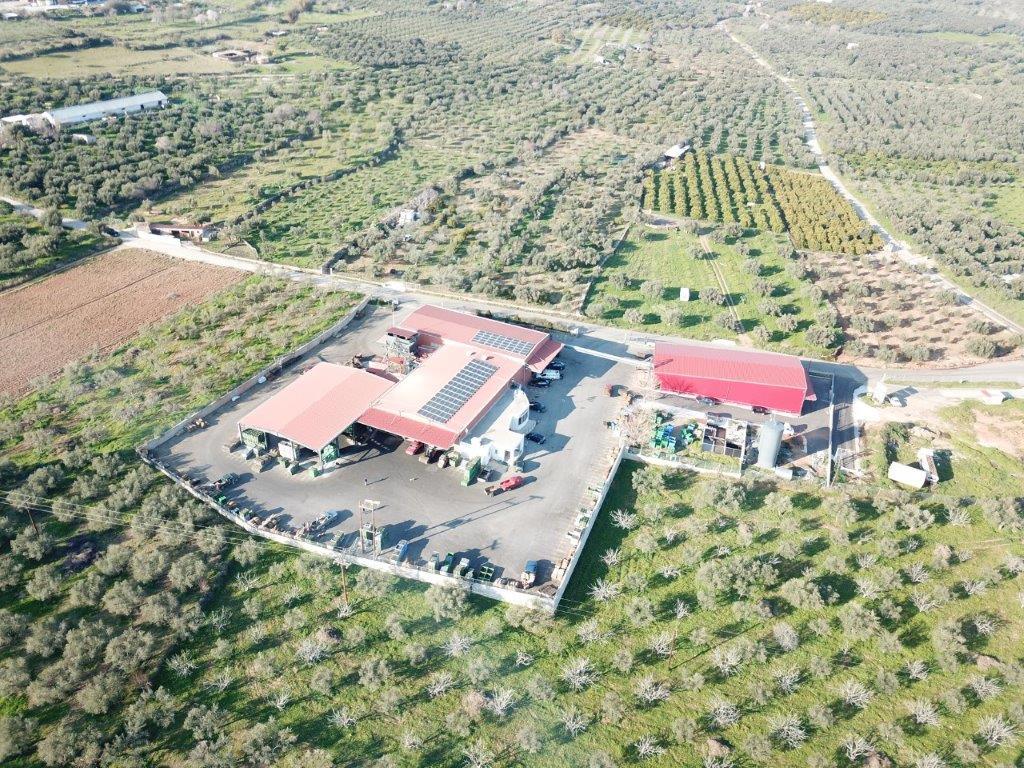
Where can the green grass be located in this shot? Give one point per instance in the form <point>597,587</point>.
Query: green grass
<point>73,245</point>
<point>118,60</point>
<point>966,468</point>
<point>320,219</point>
<point>658,254</point>
<point>992,38</point>
<point>1009,204</point>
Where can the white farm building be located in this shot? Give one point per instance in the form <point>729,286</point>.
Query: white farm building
<point>96,110</point>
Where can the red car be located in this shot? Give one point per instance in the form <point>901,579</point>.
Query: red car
<point>508,484</point>
<point>414,447</point>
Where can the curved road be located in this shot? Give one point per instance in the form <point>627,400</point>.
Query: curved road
<point>898,248</point>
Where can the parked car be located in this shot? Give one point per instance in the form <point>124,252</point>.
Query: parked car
<point>760,409</point>
<point>549,373</point>
<point>539,383</point>
<point>414,447</point>
<point>508,484</point>
<point>536,405</point>
<point>707,400</point>
<point>226,482</point>
<point>324,520</point>
<point>536,437</point>
<point>556,365</point>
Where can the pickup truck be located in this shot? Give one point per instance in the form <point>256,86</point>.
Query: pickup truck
<point>226,482</point>
<point>508,484</point>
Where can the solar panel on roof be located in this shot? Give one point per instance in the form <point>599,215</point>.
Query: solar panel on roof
<point>456,393</point>
<point>504,343</point>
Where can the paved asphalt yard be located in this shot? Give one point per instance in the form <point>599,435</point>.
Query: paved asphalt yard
<point>420,503</point>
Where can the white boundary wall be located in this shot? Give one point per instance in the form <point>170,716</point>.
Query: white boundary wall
<point>612,471</point>
<point>406,570</point>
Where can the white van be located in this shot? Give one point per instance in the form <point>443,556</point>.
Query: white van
<point>550,374</point>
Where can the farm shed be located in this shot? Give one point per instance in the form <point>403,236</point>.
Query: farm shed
<point>460,386</point>
<point>198,233</point>
<point>739,376</point>
<point>676,151</point>
<point>96,110</point>
<point>317,407</point>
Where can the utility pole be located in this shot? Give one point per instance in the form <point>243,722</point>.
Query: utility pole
<point>32,520</point>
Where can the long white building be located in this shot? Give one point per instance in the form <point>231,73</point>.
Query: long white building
<point>96,110</point>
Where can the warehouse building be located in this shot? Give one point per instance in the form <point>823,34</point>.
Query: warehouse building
<point>95,110</point>
<point>737,376</point>
<point>448,380</point>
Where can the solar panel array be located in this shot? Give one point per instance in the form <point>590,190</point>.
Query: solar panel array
<point>504,343</point>
<point>456,393</point>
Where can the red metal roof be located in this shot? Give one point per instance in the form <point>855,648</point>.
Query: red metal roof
<point>542,356</point>
<point>730,364</point>
<point>316,407</point>
<point>404,400</point>
<point>412,429</point>
<point>451,325</point>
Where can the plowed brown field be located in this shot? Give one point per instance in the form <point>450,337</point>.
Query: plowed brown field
<point>98,304</point>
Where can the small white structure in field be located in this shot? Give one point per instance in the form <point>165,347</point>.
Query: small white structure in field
<point>684,294</point>
<point>904,474</point>
<point>676,151</point>
<point>993,396</point>
<point>926,458</point>
<point>880,392</point>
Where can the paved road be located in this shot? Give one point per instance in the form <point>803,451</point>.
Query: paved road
<point>31,210</point>
<point>897,247</point>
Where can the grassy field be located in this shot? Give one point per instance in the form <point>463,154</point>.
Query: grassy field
<point>669,256</point>
<point>1009,204</point>
<point>604,40</point>
<point>313,223</point>
<point>973,449</point>
<point>118,60</point>
<point>992,38</point>
<point>233,194</point>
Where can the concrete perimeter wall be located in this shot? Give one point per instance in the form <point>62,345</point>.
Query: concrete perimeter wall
<point>598,503</point>
<point>350,555</point>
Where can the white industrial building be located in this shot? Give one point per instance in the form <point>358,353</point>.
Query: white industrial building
<point>96,110</point>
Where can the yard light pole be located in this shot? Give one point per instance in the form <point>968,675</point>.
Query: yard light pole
<point>344,582</point>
